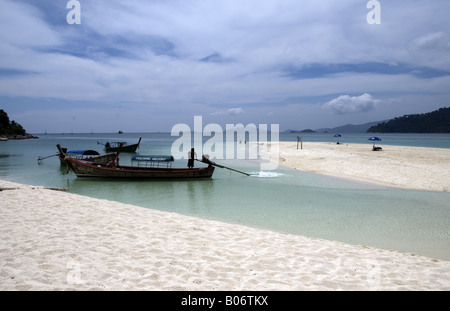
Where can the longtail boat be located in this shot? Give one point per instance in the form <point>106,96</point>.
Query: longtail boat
<point>124,147</point>
<point>145,167</point>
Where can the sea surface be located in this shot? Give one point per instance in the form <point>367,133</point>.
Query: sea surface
<point>283,200</point>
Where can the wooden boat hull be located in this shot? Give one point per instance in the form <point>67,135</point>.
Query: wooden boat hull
<point>129,148</point>
<point>87,155</point>
<point>122,148</point>
<point>98,159</point>
<point>90,169</point>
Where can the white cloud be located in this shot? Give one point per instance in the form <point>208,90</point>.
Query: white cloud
<point>432,41</point>
<point>22,25</point>
<point>346,104</point>
<point>148,54</point>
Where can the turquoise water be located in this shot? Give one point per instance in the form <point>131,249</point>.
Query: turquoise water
<point>414,140</point>
<point>284,200</point>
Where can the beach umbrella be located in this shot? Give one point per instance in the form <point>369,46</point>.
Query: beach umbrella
<point>374,138</point>
<point>337,135</point>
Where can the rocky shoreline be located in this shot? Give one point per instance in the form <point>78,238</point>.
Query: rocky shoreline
<point>16,137</point>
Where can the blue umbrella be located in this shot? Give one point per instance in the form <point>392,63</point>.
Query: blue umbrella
<point>374,138</point>
<point>337,135</point>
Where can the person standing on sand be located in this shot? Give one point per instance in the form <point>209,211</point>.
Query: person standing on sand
<point>191,157</point>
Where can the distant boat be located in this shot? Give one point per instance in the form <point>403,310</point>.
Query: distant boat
<point>146,167</point>
<point>120,132</point>
<point>124,147</point>
<point>3,138</point>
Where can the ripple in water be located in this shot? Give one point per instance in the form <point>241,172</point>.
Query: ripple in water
<point>266,174</point>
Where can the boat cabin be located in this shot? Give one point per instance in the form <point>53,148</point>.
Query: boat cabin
<point>160,161</point>
<point>116,144</point>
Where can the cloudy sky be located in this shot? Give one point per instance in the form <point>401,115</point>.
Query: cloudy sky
<point>146,65</point>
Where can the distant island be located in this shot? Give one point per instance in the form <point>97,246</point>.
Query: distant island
<point>437,121</point>
<point>350,128</point>
<point>11,129</point>
<point>302,131</point>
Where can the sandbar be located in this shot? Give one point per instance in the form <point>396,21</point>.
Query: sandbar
<point>415,168</point>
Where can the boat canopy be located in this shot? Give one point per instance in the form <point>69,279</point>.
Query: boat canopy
<point>83,152</point>
<point>152,160</point>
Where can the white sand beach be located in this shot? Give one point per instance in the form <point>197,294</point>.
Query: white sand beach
<point>55,240</point>
<point>405,167</point>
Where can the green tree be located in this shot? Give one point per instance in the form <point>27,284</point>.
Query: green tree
<point>8,127</point>
<point>4,121</point>
<point>16,129</point>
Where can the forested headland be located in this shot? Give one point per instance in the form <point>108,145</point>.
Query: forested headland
<point>12,129</point>
<point>437,121</point>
